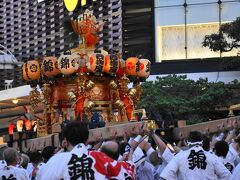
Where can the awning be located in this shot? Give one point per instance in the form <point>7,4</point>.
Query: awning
<point>17,92</point>
<point>10,111</point>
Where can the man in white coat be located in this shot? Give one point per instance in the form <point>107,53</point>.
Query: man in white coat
<point>195,163</point>
<point>10,171</point>
<point>221,150</point>
<point>80,163</point>
<point>236,173</point>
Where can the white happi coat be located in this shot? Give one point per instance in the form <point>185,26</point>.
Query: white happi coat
<point>232,156</point>
<point>236,173</point>
<point>83,164</point>
<point>2,164</point>
<point>13,173</point>
<point>197,164</point>
<point>30,168</point>
<point>228,164</point>
<point>166,158</point>
<point>144,170</point>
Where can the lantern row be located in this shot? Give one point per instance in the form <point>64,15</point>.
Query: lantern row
<point>96,63</point>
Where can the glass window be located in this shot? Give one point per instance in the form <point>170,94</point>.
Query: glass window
<point>178,26</point>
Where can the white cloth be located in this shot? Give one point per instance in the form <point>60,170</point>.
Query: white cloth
<point>166,158</point>
<point>150,151</point>
<point>236,173</point>
<point>220,137</point>
<point>137,154</point>
<point>83,164</point>
<point>41,165</point>
<point>11,172</point>
<point>167,155</point>
<point>144,171</point>
<point>30,169</point>
<point>2,164</point>
<point>138,138</point>
<point>120,157</point>
<point>130,140</point>
<point>228,164</point>
<point>197,164</point>
<point>89,146</point>
<point>232,155</point>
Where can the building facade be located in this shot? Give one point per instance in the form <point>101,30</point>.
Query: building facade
<point>181,25</point>
<point>31,29</point>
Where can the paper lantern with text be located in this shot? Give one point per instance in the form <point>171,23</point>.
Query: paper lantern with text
<point>144,69</point>
<point>111,64</point>
<point>11,128</point>
<point>28,124</point>
<point>20,125</point>
<point>67,63</point>
<point>31,70</point>
<point>132,66</point>
<point>96,63</point>
<point>50,66</point>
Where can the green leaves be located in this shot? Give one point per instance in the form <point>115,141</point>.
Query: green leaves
<point>227,38</point>
<point>180,98</point>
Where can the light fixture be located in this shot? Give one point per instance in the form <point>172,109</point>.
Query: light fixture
<point>20,125</point>
<point>15,101</point>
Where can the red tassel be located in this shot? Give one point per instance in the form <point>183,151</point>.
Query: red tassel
<point>90,39</point>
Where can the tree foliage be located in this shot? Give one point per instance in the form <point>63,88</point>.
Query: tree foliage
<point>227,38</point>
<point>176,97</point>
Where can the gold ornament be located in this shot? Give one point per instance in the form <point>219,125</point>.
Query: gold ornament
<point>113,85</point>
<point>81,83</point>
<point>151,125</point>
<point>34,98</point>
<point>119,104</point>
<point>41,128</point>
<point>132,92</point>
<point>89,85</point>
<point>123,84</point>
<point>90,105</point>
<point>72,96</point>
<point>46,92</point>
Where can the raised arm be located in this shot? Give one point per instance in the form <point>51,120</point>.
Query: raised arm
<point>159,142</point>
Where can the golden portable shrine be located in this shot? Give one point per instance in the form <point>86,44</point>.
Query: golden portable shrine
<point>85,84</point>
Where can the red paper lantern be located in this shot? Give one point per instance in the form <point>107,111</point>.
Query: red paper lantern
<point>50,66</point>
<point>111,64</point>
<point>31,70</point>
<point>11,128</point>
<point>144,69</point>
<point>132,66</point>
<point>28,124</point>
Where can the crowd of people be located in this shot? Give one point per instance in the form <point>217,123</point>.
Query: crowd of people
<point>147,156</point>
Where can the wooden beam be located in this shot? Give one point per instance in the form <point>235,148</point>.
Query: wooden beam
<point>211,126</point>
<point>127,129</point>
<point>94,135</point>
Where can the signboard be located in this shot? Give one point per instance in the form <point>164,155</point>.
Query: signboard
<point>72,4</point>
